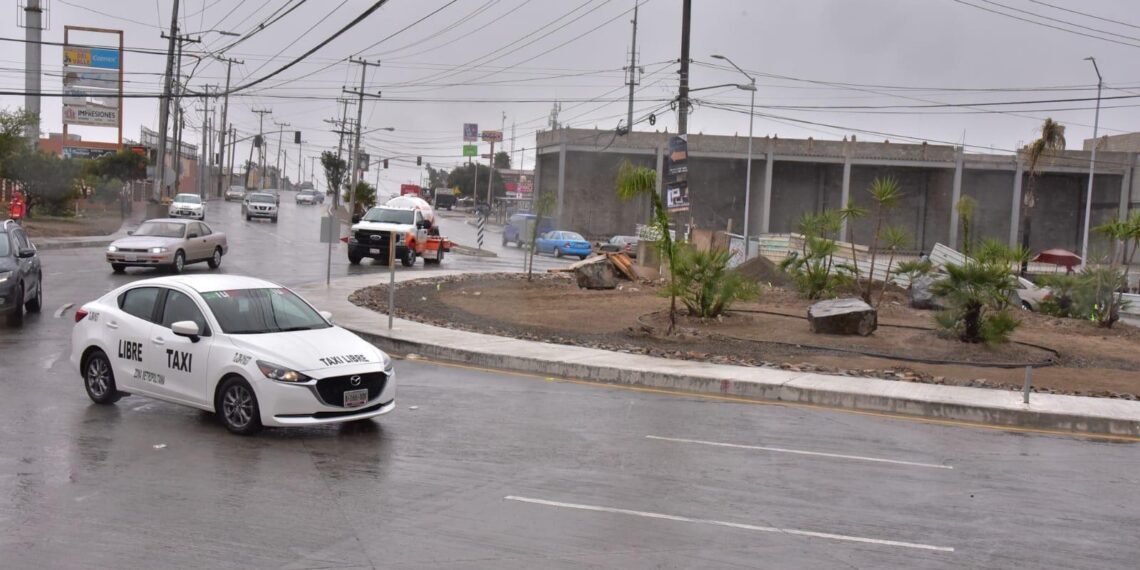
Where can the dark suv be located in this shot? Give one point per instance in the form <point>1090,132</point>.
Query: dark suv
<point>21,276</point>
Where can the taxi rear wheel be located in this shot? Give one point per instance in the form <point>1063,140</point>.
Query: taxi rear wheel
<point>99,379</point>
<point>237,406</point>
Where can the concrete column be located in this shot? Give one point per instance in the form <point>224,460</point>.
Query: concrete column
<point>1125,193</point>
<point>766,197</point>
<point>955,195</point>
<point>1015,212</point>
<point>845,194</point>
<point>561,183</point>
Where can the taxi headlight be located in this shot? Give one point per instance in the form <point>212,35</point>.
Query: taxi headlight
<point>4,275</point>
<point>158,250</point>
<point>112,248</point>
<point>386,361</point>
<point>280,373</point>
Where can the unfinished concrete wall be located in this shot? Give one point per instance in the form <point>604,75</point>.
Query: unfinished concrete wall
<point>590,203</point>
<point>716,188</point>
<point>993,191</point>
<point>923,210</point>
<point>799,187</point>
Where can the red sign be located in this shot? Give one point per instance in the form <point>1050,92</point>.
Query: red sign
<point>141,150</point>
<point>406,189</point>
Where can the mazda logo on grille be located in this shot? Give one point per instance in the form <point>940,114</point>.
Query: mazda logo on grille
<point>355,380</point>
<point>375,237</point>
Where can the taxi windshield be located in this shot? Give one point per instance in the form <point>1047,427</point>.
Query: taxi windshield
<point>259,311</point>
<point>187,199</point>
<point>161,229</point>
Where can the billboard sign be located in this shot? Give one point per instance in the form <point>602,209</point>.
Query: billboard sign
<point>493,136</point>
<point>88,153</point>
<point>678,155</point>
<point>98,98</point>
<point>470,132</point>
<point>677,196</point>
<point>91,57</point>
<point>96,78</point>
<point>470,150</point>
<point>91,115</point>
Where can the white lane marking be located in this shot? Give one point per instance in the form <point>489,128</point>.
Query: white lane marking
<point>742,526</point>
<point>62,308</point>
<point>801,452</point>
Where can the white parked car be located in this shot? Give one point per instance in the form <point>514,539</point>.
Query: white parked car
<point>187,206</point>
<point>249,350</point>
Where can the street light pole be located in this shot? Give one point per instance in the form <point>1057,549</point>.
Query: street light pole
<point>751,87</point>
<point>1092,166</point>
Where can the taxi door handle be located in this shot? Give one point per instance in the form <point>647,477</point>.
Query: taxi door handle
<point>158,340</point>
<point>112,325</point>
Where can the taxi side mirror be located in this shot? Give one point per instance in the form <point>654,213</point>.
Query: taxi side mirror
<point>188,329</point>
<point>326,315</point>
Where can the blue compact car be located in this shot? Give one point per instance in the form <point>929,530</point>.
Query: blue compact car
<point>563,243</point>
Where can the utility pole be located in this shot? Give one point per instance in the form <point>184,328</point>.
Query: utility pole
<point>233,146</point>
<point>180,114</point>
<point>280,132</point>
<point>359,128</point>
<point>261,137</point>
<point>225,112</point>
<point>300,158</point>
<point>33,23</point>
<point>204,162</point>
<point>1092,167</point>
<point>633,73</point>
<point>491,163</point>
<point>164,107</point>
<point>683,95</point>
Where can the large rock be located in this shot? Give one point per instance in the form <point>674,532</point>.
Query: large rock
<point>598,275</point>
<point>921,297</point>
<point>843,316</point>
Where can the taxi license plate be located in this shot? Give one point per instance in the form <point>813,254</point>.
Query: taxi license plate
<point>130,258</point>
<point>374,251</point>
<point>354,398</point>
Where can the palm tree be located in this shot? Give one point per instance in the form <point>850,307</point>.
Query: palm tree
<point>1052,139</point>
<point>634,181</point>
<point>886,192</point>
<point>894,238</point>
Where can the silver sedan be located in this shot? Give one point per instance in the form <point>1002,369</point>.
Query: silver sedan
<point>170,243</point>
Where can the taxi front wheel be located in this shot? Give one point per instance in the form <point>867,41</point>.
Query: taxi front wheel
<point>237,406</point>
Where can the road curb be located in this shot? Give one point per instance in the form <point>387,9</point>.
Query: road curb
<point>815,393</point>
<point>992,407</point>
<point>48,244</point>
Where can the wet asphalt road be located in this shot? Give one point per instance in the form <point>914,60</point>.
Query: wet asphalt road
<point>481,469</point>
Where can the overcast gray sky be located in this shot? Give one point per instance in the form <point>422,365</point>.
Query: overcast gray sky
<point>474,60</point>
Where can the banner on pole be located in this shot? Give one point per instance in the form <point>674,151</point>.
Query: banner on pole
<point>493,136</point>
<point>678,155</point>
<point>677,196</point>
<point>470,150</point>
<point>470,132</point>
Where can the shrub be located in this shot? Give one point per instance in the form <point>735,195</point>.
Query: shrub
<point>705,284</point>
<point>978,294</point>
<point>814,273</point>
<point>914,269</point>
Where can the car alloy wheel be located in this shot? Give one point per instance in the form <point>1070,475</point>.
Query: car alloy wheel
<point>179,262</point>
<point>216,261</point>
<point>237,406</point>
<point>99,379</point>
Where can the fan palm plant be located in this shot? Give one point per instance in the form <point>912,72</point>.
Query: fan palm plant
<point>886,193</point>
<point>634,181</point>
<point>1052,140</point>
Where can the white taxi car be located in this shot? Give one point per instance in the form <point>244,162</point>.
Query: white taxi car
<point>249,350</point>
<point>187,206</point>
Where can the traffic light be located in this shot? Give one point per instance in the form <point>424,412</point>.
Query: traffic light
<point>257,141</point>
<point>296,137</point>
<point>385,163</point>
<point>419,161</point>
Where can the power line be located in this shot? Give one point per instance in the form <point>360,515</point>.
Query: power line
<point>112,16</point>
<point>1060,21</point>
<point>316,48</point>
<point>1015,17</point>
<point>1085,14</point>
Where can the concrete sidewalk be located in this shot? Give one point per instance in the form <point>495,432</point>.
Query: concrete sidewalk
<point>979,405</point>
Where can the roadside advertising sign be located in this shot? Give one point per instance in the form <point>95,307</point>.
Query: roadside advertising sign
<point>91,57</point>
<point>470,150</point>
<point>96,78</point>
<point>677,196</point>
<point>492,136</point>
<point>678,155</point>
<point>470,132</point>
<point>89,153</point>
<point>91,115</point>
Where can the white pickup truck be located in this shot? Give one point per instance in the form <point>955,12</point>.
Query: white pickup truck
<point>413,225</point>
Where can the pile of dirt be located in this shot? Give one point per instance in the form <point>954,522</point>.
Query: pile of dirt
<point>762,270</point>
<point>770,332</point>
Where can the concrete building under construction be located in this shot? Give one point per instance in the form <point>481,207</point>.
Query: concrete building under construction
<point>792,176</point>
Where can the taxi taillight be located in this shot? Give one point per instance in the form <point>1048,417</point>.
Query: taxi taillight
<point>80,314</point>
